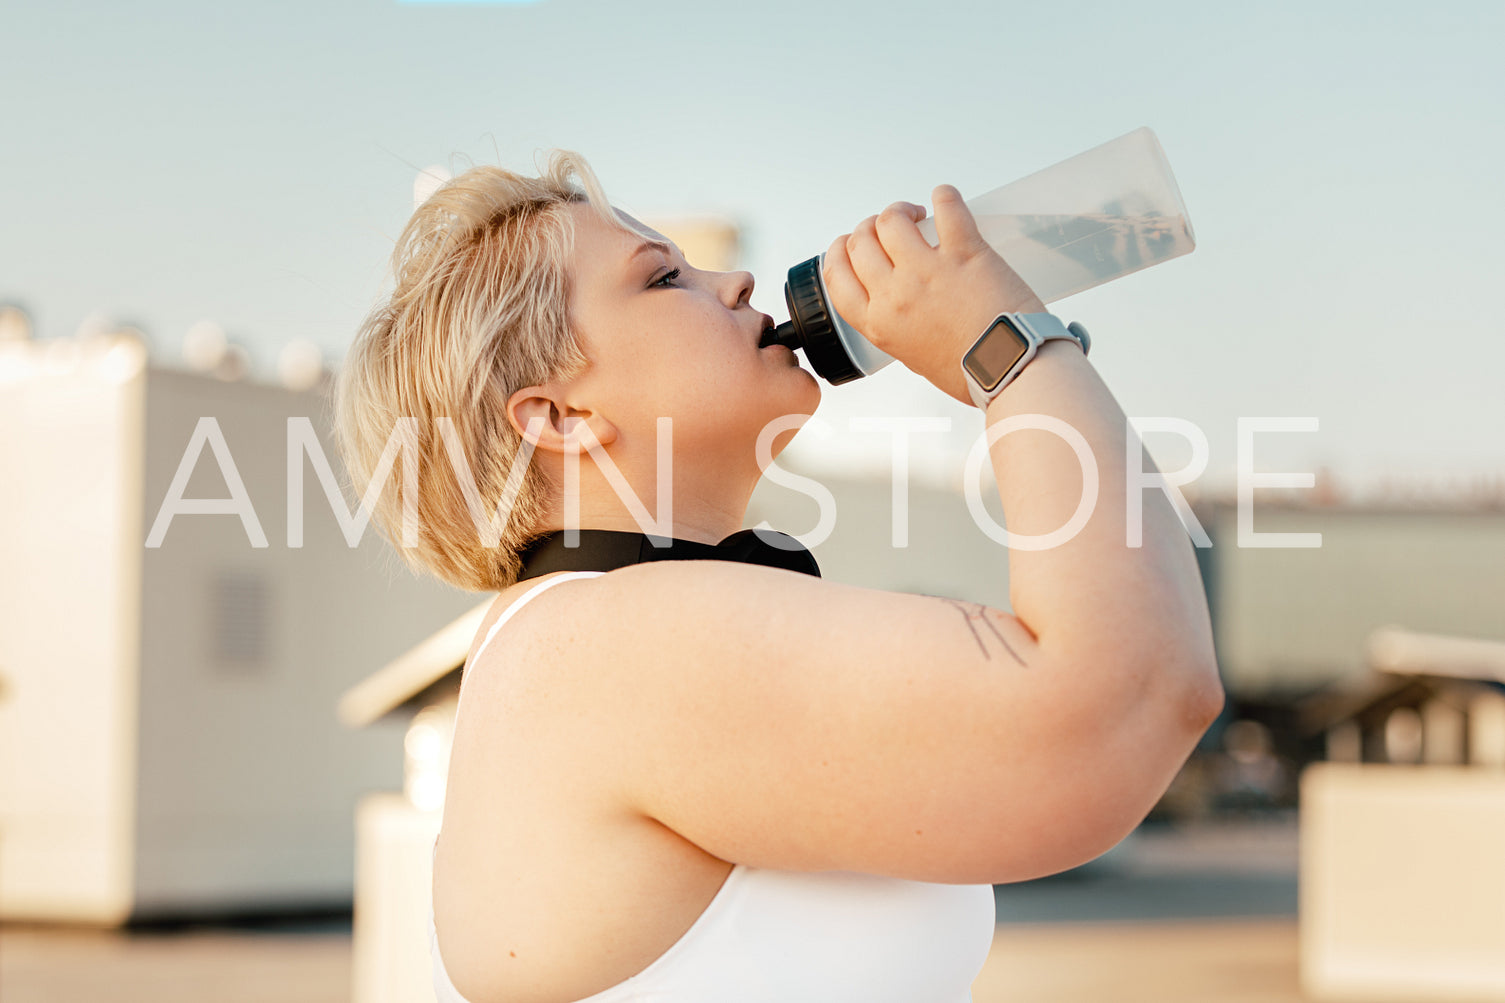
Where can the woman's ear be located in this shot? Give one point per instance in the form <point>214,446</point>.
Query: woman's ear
<point>543,416</point>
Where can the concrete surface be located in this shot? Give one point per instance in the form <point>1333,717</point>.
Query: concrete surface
<point>1227,961</point>
<point>1100,934</point>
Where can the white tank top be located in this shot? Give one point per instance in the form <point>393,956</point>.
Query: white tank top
<point>771,936</point>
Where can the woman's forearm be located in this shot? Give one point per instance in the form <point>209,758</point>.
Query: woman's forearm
<point>1131,617</point>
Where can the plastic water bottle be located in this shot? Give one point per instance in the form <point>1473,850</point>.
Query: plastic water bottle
<point>1100,215</point>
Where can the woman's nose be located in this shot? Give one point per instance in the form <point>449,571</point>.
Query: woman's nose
<point>736,288</point>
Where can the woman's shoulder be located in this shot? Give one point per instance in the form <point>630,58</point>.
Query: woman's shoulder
<point>654,590</point>
<point>579,636</point>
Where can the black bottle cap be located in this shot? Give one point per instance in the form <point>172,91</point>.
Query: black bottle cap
<point>814,328</point>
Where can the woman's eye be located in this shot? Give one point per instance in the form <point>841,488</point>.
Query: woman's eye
<point>666,280</point>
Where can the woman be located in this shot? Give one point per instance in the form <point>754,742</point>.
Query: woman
<point>710,780</point>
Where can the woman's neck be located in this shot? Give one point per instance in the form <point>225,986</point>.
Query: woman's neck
<point>699,517</point>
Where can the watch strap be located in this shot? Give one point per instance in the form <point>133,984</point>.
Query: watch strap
<point>1047,326</point>
<point>1037,328</point>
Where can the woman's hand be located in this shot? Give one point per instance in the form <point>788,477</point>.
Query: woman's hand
<point>923,305</point>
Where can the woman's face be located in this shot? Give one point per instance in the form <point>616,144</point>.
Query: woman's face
<point>667,339</point>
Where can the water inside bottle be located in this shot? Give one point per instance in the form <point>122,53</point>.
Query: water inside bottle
<point>1058,254</point>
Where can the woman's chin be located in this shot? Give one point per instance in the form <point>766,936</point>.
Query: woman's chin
<point>815,391</point>
<point>786,398</point>
<point>811,388</point>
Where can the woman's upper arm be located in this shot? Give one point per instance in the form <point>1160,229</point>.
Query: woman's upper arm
<point>783,721</point>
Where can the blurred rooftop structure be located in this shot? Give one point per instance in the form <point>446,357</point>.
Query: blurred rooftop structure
<point>167,744</point>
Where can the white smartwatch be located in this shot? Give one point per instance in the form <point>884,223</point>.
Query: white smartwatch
<point>1006,347</point>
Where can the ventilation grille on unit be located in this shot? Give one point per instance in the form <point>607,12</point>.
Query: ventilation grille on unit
<point>238,619</point>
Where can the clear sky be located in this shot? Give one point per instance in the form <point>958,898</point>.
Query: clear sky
<point>165,161</point>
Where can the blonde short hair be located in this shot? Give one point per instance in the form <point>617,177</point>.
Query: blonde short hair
<point>480,310</point>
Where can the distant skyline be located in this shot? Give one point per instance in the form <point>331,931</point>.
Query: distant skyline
<point>166,162</point>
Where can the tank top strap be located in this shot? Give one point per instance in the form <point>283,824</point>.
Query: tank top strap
<point>517,604</point>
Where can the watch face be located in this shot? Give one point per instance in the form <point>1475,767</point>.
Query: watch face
<point>996,352</point>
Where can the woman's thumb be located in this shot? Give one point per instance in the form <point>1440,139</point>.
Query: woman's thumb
<point>954,224</point>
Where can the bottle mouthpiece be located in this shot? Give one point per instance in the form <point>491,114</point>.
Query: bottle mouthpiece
<point>785,334</point>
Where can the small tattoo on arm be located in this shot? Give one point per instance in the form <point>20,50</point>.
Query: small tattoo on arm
<point>974,613</point>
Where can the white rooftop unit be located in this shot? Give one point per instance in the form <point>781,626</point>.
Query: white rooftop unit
<point>166,739</point>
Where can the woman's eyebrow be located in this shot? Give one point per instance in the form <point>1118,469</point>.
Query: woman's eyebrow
<point>652,245</point>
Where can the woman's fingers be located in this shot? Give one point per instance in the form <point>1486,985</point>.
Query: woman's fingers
<point>877,274</point>
<point>897,231</point>
<point>848,294</point>
<point>869,260</point>
<point>954,224</point>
